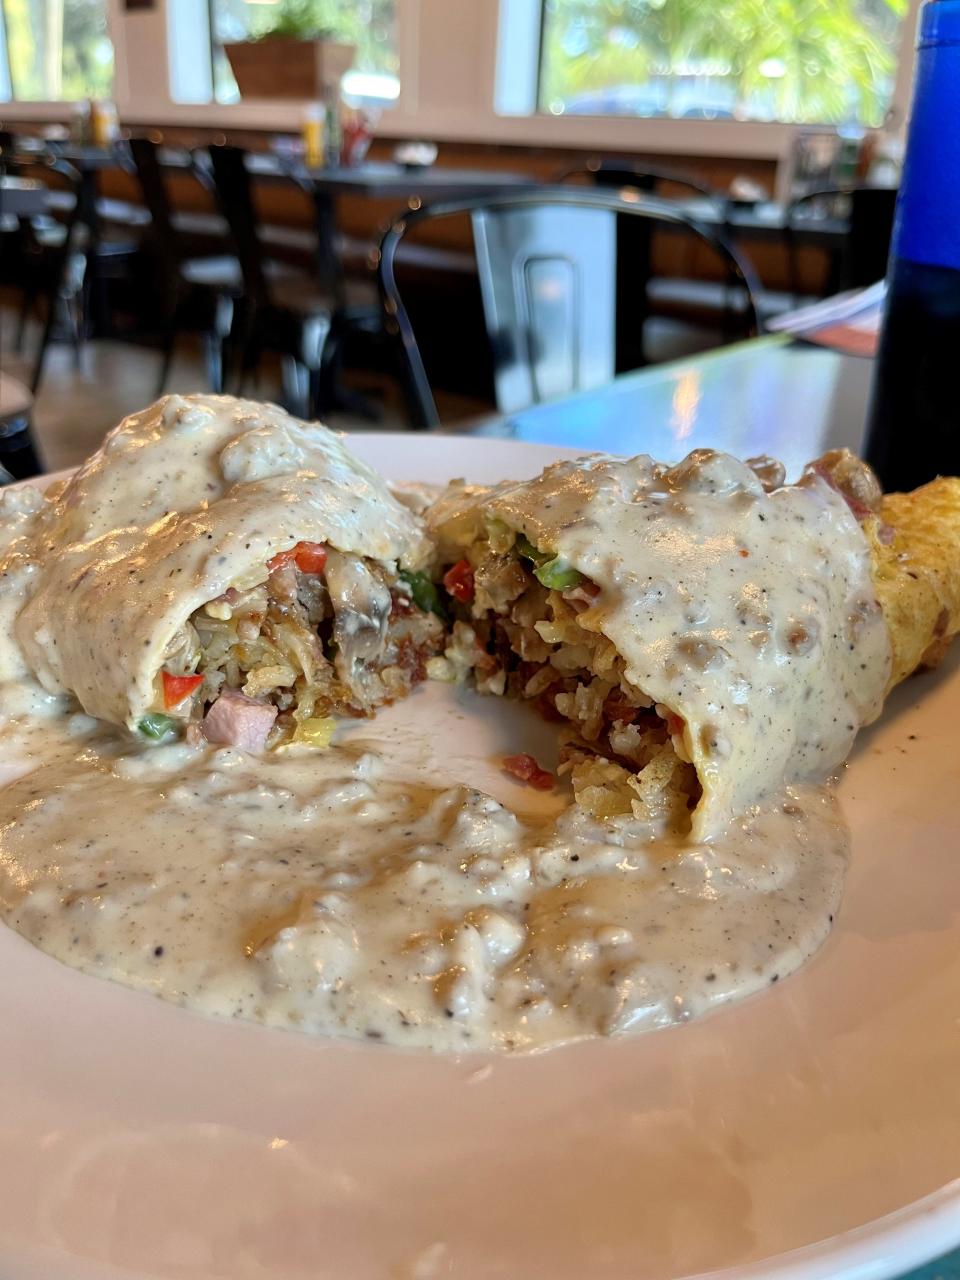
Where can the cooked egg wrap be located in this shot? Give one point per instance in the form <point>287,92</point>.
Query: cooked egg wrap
<point>915,549</point>
<point>218,538</point>
<point>706,632</point>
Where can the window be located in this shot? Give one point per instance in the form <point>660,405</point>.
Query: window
<point>369,24</point>
<point>55,50</point>
<point>795,61</point>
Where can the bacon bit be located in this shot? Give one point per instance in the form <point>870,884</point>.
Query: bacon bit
<point>546,704</point>
<point>486,662</point>
<point>459,581</point>
<point>617,707</point>
<point>176,688</point>
<point>400,606</point>
<point>744,552</point>
<point>309,557</point>
<point>675,724</point>
<point>526,769</point>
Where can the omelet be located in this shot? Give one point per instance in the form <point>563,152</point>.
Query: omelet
<point>915,554</point>
<point>705,633</point>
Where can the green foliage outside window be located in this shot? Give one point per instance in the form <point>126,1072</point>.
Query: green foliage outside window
<point>58,49</point>
<point>808,61</point>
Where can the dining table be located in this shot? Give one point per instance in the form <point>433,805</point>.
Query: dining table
<point>22,197</point>
<point>373,180</point>
<point>323,184</point>
<point>769,395</point>
<point>768,220</point>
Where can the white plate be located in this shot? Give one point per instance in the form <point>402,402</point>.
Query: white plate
<point>813,1131</point>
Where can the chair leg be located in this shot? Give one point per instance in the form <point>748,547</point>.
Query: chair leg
<point>297,384</point>
<point>213,359</point>
<point>249,359</point>
<point>44,344</point>
<point>76,313</point>
<point>27,304</point>
<point>167,340</point>
<point>245,342</point>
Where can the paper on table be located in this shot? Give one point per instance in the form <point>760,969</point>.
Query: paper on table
<point>849,322</point>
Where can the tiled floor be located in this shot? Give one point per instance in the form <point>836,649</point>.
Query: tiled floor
<point>77,404</point>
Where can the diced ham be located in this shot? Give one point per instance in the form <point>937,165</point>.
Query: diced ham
<point>238,721</point>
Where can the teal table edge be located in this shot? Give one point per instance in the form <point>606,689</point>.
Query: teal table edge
<point>947,1268</point>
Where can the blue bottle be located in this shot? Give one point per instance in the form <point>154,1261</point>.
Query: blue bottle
<point>913,431</point>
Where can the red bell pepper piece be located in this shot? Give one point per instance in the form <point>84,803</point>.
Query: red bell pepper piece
<point>309,557</point>
<point>176,688</point>
<point>459,581</point>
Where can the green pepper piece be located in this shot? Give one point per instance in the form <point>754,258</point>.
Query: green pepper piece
<point>557,575</point>
<point>424,593</point>
<point>529,551</point>
<point>156,726</point>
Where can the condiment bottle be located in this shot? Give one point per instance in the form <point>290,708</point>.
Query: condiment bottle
<point>312,132</point>
<point>913,428</point>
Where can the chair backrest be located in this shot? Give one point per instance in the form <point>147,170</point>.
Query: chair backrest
<point>553,290</point>
<point>234,192</point>
<point>869,214</point>
<point>867,246</point>
<point>146,160</point>
<point>8,145</point>
<point>611,172</point>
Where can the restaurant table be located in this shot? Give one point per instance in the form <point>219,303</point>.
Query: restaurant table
<point>766,220</point>
<point>766,395</point>
<point>380,180</point>
<point>325,184</point>
<point>373,180</point>
<point>23,197</point>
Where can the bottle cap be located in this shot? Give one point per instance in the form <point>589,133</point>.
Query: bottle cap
<point>939,23</point>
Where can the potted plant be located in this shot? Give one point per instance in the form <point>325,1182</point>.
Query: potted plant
<point>291,55</point>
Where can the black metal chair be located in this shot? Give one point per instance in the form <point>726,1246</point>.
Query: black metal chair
<point>861,259</point>
<point>555,295</point>
<point>283,310</point>
<point>681,294</point>
<point>52,266</point>
<point>19,458</point>
<point>63,258</point>
<point>8,149</point>
<point>196,294</point>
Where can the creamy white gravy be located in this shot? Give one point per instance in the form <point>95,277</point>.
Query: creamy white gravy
<point>358,892</point>
<point>751,615</point>
<point>354,893</point>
